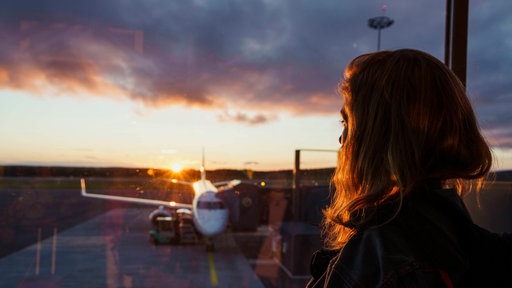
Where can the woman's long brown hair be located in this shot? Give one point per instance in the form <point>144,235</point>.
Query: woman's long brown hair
<point>408,122</point>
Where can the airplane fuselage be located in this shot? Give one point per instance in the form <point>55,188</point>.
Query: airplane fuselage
<point>210,213</point>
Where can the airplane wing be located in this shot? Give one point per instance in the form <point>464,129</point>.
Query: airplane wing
<point>181,182</point>
<point>230,183</point>
<point>170,204</point>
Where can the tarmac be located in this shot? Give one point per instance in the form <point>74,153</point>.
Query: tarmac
<point>56,238</point>
<point>51,236</point>
<point>113,250</point>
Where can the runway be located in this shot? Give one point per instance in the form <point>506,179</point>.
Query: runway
<point>113,250</point>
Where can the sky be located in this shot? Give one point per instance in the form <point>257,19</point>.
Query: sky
<point>149,83</point>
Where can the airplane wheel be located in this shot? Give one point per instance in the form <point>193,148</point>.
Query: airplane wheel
<point>209,244</point>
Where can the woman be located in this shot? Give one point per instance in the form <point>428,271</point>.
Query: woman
<point>410,144</point>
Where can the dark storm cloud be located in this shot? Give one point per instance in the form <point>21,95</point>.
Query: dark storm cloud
<point>489,62</point>
<point>254,54</point>
<point>254,57</point>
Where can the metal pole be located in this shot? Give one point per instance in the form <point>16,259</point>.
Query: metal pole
<point>296,186</point>
<point>456,37</point>
<point>448,34</point>
<point>379,23</point>
<point>378,40</point>
<point>460,39</point>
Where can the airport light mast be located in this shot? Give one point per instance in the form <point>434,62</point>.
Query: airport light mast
<point>379,23</point>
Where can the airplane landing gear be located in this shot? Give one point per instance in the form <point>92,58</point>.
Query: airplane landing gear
<point>210,247</point>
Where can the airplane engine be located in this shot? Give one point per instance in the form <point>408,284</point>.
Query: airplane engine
<point>160,212</point>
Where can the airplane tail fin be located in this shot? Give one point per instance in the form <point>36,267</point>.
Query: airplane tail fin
<point>203,171</point>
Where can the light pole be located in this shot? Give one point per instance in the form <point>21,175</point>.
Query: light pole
<point>380,23</point>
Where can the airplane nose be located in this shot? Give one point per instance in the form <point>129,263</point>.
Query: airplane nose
<point>211,214</point>
<point>211,222</point>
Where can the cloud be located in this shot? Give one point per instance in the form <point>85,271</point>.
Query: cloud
<point>489,62</point>
<point>245,56</point>
<point>241,117</point>
<point>74,58</point>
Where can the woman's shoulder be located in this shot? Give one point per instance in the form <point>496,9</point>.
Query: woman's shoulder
<point>416,245</point>
<point>371,260</point>
<point>381,255</point>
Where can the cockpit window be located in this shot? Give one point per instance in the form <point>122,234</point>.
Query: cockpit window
<point>211,205</point>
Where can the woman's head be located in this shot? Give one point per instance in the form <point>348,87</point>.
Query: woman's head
<point>408,122</point>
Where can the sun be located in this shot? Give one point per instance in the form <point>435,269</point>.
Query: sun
<point>176,167</point>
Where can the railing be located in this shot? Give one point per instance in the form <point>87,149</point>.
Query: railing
<point>491,208</point>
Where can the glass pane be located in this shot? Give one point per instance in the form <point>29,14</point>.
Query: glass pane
<point>135,97</point>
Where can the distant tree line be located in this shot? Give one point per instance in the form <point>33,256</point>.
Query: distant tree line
<point>58,171</point>
<point>214,175</point>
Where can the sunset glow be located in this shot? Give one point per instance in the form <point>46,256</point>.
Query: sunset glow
<point>106,86</point>
<point>176,167</point>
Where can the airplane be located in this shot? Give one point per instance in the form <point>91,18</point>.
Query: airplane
<point>179,222</point>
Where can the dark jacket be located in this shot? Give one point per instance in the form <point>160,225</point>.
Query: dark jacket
<point>432,242</point>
